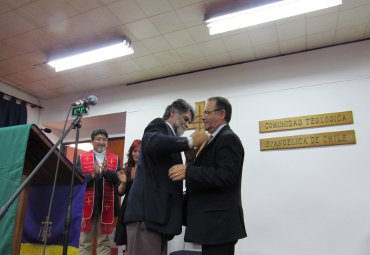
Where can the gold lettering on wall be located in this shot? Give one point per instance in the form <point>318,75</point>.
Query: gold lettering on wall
<point>309,121</point>
<point>311,140</point>
<point>198,121</point>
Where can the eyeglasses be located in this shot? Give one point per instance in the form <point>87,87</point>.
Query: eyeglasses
<point>206,113</point>
<point>101,139</point>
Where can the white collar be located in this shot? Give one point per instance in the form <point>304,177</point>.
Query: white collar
<point>100,156</point>
<point>173,131</point>
<point>218,130</point>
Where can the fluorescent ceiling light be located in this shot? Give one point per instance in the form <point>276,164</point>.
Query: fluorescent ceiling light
<point>93,56</point>
<point>262,14</point>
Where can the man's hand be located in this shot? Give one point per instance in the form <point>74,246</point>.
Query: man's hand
<point>96,169</point>
<point>199,137</point>
<point>104,166</point>
<point>177,172</point>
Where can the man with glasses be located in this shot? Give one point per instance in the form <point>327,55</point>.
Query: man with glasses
<point>101,203</point>
<point>154,206</point>
<point>214,213</point>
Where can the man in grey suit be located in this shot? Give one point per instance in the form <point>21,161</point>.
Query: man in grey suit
<point>154,206</point>
<point>214,213</point>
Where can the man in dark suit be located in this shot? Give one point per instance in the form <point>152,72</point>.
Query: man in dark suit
<point>154,206</point>
<point>214,208</point>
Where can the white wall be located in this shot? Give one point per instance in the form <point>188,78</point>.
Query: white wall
<point>296,202</point>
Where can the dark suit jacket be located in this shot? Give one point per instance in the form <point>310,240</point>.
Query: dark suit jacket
<point>153,197</point>
<point>214,208</point>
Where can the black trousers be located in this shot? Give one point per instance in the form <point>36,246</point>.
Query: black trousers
<point>219,249</point>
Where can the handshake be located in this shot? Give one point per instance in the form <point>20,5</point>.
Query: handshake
<point>199,137</point>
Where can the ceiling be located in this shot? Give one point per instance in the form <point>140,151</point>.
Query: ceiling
<point>169,38</point>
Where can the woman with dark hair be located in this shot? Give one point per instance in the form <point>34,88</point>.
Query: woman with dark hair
<point>126,176</point>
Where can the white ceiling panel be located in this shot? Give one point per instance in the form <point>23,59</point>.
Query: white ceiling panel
<point>212,47</point>
<point>353,17</point>
<point>263,36</point>
<point>292,45</point>
<point>320,39</point>
<point>152,8</point>
<point>156,44</point>
<point>167,22</point>
<point>127,11</point>
<point>267,50</point>
<point>319,24</point>
<point>291,30</point>
<point>142,29</point>
<point>169,37</point>
<point>179,39</point>
<point>189,52</point>
<point>192,15</point>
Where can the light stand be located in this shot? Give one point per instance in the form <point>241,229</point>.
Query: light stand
<point>67,220</point>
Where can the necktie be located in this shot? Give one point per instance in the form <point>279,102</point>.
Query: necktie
<point>204,145</point>
<point>210,139</point>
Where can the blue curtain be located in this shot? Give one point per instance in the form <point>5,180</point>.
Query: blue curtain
<point>11,113</point>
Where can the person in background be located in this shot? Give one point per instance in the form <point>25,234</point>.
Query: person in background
<point>154,206</point>
<point>101,203</point>
<point>126,177</point>
<point>214,213</point>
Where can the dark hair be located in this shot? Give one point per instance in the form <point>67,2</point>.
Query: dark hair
<point>99,131</point>
<point>180,106</point>
<point>130,160</point>
<point>223,104</point>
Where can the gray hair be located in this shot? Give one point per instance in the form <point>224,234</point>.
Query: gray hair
<point>179,106</point>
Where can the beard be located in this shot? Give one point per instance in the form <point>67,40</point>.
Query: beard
<point>179,130</point>
<point>100,148</point>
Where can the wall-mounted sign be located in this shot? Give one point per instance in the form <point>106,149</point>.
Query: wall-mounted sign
<point>309,121</point>
<point>198,121</point>
<point>311,140</point>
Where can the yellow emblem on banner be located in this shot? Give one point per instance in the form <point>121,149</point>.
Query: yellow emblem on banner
<point>45,229</point>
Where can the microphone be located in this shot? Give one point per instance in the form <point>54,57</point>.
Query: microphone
<point>90,100</point>
<point>46,130</point>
